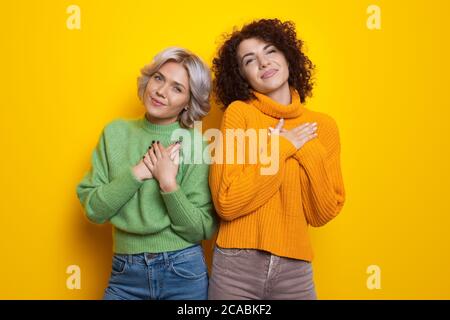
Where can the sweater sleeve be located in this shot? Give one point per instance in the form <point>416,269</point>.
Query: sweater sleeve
<point>101,196</point>
<point>190,207</point>
<point>323,193</point>
<point>240,189</point>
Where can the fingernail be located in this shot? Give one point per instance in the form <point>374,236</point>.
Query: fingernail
<point>153,141</point>
<point>143,157</point>
<point>157,142</point>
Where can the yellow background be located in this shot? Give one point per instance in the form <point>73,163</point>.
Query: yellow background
<point>387,89</point>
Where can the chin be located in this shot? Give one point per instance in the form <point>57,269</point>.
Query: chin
<point>269,89</point>
<point>151,112</point>
<point>271,85</point>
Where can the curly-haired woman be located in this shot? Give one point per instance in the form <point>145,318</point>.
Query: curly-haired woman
<point>263,251</point>
<point>160,207</point>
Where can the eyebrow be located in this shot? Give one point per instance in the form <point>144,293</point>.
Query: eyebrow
<point>252,53</point>
<point>177,83</point>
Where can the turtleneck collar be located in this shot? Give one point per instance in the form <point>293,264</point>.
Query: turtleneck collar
<point>159,128</point>
<point>276,110</point>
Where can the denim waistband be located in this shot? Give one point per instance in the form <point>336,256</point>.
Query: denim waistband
<point>148,257</point>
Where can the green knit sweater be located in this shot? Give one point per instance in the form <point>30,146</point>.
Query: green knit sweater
<point>145,219</point>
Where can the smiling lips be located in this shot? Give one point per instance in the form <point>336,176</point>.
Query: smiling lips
<point>269,73</point>
<point>156,102</point>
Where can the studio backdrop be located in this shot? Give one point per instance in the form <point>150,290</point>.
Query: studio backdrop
<point>382,67</point>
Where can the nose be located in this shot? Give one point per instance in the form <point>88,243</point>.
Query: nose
<point>160,91</point>
<point>263,62</point>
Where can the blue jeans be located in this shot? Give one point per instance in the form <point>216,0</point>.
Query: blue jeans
<point>174,275</point>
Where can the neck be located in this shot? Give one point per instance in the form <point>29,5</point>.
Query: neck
<point>275,109</point>
<point>158,121</point>
<point>282,95</point>
<point>164,129</point>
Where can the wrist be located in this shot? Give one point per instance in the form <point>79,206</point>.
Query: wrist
<point>168,186</point>
<point>138,173</point>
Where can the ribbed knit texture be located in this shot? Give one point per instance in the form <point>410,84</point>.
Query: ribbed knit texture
<point>145,219</point>
<point>272,212</point>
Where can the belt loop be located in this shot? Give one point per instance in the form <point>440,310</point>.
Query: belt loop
<point>166,259</point>
<point>130,259</point>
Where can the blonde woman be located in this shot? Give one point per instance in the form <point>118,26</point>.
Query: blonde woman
<point>160,207</point>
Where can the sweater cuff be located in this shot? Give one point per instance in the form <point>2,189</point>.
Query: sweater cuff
<point>287,148</point>
<point>178,206</point>
<point>129,180</point>
<point>310,152</point>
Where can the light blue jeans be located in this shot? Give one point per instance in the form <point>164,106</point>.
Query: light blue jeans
<point>174,275</point>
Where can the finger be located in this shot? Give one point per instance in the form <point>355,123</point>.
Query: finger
<point>172,156</point>
<point>176,158</point>
<point>307,130</point>
<point>151,153</point>
<point>271,131</point>
<point>305,125</point>
<point>173,145</point>
<point>175,148</point>
<point>301,127</point>
<point>158,150</point>
<point>148,162</point>
<point>161,147</point>
<point>310,137</point>
<point>169,148</point>
<point>307,136</point>
<point>280,124</point>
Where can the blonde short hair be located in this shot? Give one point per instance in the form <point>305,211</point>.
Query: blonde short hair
<point>199,82</point>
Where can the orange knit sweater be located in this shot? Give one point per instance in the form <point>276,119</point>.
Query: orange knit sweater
<point>272,212</point>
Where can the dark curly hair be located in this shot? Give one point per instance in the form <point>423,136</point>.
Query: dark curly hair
<point>229,84</point>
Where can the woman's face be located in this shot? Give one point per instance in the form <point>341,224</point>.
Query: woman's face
<point>167,93</point>
<point>263,66</point>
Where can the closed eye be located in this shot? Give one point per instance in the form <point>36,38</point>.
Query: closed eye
<point>248,61</point>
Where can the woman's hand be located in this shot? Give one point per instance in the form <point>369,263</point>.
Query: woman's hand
<point>141,171</point>
<point>298,136</point>
<point>163,164</point>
